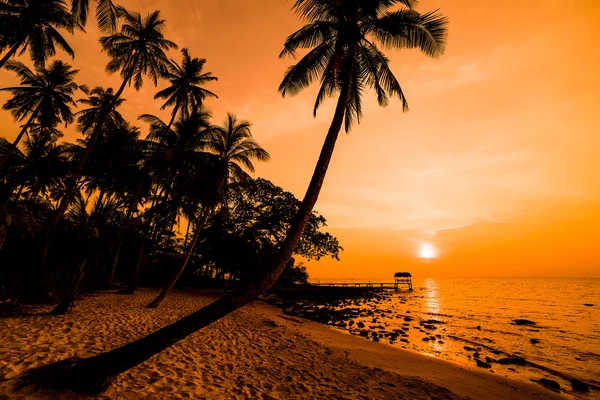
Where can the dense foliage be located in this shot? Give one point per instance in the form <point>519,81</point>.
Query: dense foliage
<point>125,204</point>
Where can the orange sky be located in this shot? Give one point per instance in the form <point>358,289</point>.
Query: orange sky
<point>496,165</point>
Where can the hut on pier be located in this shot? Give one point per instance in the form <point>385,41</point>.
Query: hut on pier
<point>402,278</point>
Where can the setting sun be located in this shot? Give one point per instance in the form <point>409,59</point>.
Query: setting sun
<point>427,251</point>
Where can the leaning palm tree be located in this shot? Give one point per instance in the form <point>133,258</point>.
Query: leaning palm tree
<point>45,96</point>
<point>137,50</point>
<point>33,25</point>
<point>186,93</point>
<point>343,38</point>
<point>234,147</point>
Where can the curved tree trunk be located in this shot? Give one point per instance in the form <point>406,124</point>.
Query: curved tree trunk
<point>13,146</point>
<point>66,199</point>
<point>132,206</point>
<point>10,52</point>
<point>94,374</point>
<point>156,302</point>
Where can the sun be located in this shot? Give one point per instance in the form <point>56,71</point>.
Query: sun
<point>427,251</point>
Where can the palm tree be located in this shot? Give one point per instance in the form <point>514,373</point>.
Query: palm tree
<point>46,163</point>
<point>186,93</point>
<point>170,153</point>
<point>33,25</point>
<point>107,13</point>
<point>137,50</point>
<point>343,37</point>
<point>45,95</point>
<point>235,149</point>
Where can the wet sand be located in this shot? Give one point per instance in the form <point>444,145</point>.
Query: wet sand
<point>255,353</point>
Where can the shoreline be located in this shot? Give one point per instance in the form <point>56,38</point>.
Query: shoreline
<point>257,352</point>
<point>374,316</point>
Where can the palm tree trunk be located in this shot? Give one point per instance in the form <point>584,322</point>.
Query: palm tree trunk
<point>94,374</point>
<point>64,204</point>
<point>66,199</point>
<point>132,206</point>
<point>156,302</point>
<point>113,269</point>
<point>10,53</point>
<point>13,146</point>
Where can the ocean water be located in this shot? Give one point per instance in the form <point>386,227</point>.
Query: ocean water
<point>479,313</point>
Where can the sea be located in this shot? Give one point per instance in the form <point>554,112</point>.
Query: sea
<point>560,340</point>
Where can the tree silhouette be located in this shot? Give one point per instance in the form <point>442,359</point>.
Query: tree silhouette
<point>33,25</point>
<point>45,96</point>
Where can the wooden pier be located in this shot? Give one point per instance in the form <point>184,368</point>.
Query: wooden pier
<point>400,279</point>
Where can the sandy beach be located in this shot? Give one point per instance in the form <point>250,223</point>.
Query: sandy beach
<point>255,353</point>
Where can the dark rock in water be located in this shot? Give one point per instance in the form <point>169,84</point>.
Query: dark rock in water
<point>430,327</point>
<point>549,383</point>
<point>588,305</point>
<point>351,322</point>
<point>482,364</point>
<point>408,319</point>
<point>478,328</point>
<point>374,320</point>
<point>579,386</point>
<point>512,361</point>
<point>364,333</point>
<point>523,322</point>
<point>361,325</point>
<point>432,321</point>
<point>440,341</point>
<point>469,348</point>
<point>476,355</point>
<point>425,339</point>
<point>375,339</point>
<point>489,360</point>
<point>404,340</point>
<point>534,341</point>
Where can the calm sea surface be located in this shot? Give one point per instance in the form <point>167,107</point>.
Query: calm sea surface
<point>479,313</point>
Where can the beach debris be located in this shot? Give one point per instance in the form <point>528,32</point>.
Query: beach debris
<point>512,361</point>
<point>523,322</point>
<point>548,383</point>
<point>482,364</point>
<point>534,341</point>
<point>270,322</point>
<point>579,386</point>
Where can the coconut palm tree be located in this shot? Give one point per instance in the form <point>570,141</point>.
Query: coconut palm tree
<point>186,93</point>
<point>46,163</point>
<point>342,37</point>
<point>34,25</point>
<point>170,153</point>
<point>234,147</point>
<point>137,50</point>
<point>45,96</point>
<point>107,13</point>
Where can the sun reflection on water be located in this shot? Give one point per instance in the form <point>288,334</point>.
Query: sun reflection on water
<point>432,299</point>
